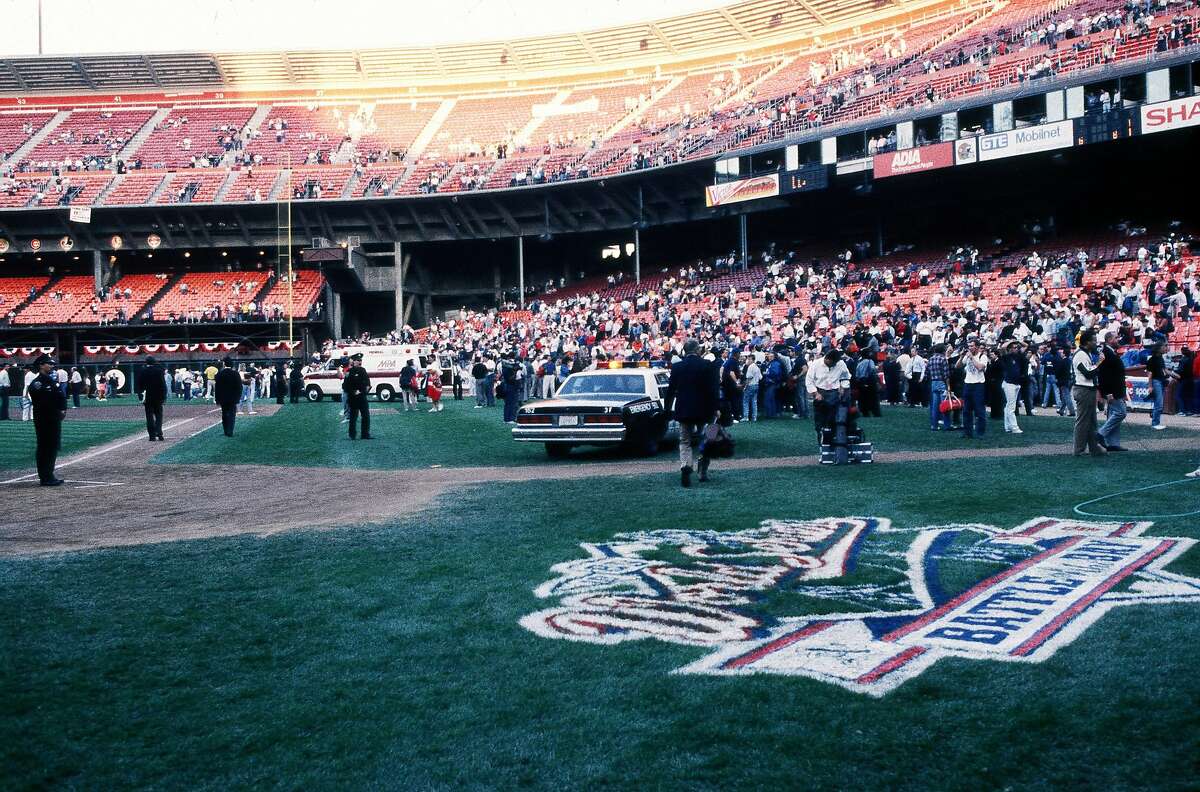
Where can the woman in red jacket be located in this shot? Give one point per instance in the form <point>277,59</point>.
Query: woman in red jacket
<point>433,388</point>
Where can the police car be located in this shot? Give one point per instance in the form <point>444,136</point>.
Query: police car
<point>605,407</point>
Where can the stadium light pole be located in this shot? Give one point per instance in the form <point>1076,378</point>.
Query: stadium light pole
<point>39,27</point>
<point>521,272</point>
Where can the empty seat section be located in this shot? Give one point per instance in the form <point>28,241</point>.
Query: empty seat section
<point>306,291</point>
<point>59,303</point>
<point>125,299</point>
<point>17,128</point>
<point>193,186</point>
<point>135,187</point>
<point>197,292</point>
<point>393,127</point>
<point>307,133</point>
<point>14,291</point>
<point>89,136</point>
<point>74,188</point>
<point>189,132</point>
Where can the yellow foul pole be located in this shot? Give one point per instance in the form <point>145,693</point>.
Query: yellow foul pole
<point>291,309</point>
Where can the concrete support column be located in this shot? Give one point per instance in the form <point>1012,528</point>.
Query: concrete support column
<point>743,239</point>
<point>521,272</point>
<point>398,260</point>
<point>98,270</point>
<point>637,255</point>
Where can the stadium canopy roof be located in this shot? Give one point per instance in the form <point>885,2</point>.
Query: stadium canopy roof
<point>748,28</point>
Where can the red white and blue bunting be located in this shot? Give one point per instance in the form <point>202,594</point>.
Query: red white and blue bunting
<point>152,349</point>
<point>25,351</point>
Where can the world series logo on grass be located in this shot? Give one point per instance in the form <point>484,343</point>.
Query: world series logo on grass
<point>855,602</point>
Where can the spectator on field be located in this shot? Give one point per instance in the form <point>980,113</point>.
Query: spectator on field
<point>694,396</point>
<point>1111,385</point>
<point>1085,364</point>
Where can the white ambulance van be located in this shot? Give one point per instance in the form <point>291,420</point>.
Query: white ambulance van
<point>383,365</point>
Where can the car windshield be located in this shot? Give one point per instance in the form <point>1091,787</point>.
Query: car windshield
<point>588,384</point>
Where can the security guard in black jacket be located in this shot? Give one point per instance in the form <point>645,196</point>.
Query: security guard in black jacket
<point>152,387</point>
<point>49,409</point>
<point>356,386</point>
<point>227,390</point>
<point>694,395</point>
<point>295,382</point>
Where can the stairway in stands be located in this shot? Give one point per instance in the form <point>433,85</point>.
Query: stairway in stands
<point>147,129</point>
<point>19,155</point>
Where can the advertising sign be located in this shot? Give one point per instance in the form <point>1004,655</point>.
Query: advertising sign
<point>1138,393</point>
<point>1030,140</point>
<point>1175,114</point>
<point>81,214</point>
<point>742,190</point>
<point>915,160</point>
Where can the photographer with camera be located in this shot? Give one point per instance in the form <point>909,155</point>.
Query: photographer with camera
<point>975,363</point>
<point>1012,365</point>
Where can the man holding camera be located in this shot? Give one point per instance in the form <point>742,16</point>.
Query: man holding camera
<point>975,363</point>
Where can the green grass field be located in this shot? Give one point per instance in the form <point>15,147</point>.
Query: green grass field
<point>17,439</point>
<point>461,436</point>
<point>391,656</point>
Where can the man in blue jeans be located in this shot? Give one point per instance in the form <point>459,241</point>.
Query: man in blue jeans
<point>938,372</point>
<point>1111,381</point>
<point>1157,370</point>
<point>975,362</point>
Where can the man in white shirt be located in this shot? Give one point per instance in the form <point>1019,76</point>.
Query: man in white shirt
<point>828,382</point>
<point>917,387</point>
<point>975,363</point>
<point>1085,364</point>
<point>26,401</point>
<point>905,363</point>
<point>750,383</point>
<point>5,388</point>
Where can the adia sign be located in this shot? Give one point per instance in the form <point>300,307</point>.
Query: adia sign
<point>890,613</point>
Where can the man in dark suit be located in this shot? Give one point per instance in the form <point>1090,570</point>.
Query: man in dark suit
<point>694,393</point>
<point>227,392</point>
<point>153,390</point>
<point>1111,381</point>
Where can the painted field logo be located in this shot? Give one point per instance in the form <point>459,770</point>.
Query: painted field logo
<point>877,605</point>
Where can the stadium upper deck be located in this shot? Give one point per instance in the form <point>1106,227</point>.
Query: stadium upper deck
<point>500,114</point>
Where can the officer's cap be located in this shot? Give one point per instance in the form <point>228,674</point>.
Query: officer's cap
<point>356,356</point>
<point>43,359</point>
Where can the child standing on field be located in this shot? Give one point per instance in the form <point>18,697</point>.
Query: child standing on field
<point>433,388</point>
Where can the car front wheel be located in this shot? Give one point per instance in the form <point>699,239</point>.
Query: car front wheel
<point>313,393</point>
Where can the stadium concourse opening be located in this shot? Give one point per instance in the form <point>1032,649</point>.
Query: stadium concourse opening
<point>457,416</point>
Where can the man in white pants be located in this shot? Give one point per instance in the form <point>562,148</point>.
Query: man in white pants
<point>1013,364</point>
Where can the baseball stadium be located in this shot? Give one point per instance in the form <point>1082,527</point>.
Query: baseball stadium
<point>688,394</point>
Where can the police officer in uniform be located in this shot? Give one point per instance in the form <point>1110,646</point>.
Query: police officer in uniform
<point>279,383</point>
<point>49,409</point>
<point>356,386</point>
<point>295,382</point>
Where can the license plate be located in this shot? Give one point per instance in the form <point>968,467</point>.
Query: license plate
<point>568,420</point>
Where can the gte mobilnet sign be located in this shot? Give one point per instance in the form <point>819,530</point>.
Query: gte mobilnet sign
<point>1028,140</point>
<point>1175,114</point>
<point>899,163</point>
